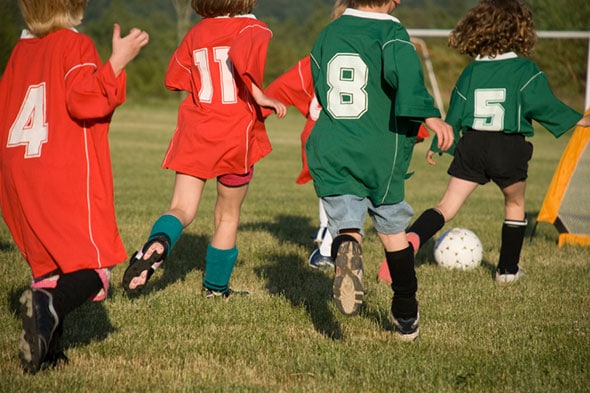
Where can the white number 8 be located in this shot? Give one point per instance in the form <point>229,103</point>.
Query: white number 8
<point>347,78</point>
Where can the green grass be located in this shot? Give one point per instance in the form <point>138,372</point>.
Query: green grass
<point>288,336</point>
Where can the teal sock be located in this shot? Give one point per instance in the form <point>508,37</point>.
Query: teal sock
<point>219,265</point>
<point>168,226</point>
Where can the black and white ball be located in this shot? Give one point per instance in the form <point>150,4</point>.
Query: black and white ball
<point>458,248</point>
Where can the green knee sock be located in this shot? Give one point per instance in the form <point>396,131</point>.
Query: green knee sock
<point>218,268</point>
<point>168,226</point>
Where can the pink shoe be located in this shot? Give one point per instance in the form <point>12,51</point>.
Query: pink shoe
<point>383,274</point>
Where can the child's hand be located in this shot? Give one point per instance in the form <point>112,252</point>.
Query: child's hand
<point>266,101</point>
<point>429,157</point>
<point>126,48</point>
<point>584,121</point>
<point>443,131</point>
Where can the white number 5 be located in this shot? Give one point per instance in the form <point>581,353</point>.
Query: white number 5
<point>488,111</point>
<point>30,127</point>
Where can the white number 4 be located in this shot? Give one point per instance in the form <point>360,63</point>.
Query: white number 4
<point>30,127</point>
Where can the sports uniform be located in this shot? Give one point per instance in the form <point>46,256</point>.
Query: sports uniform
<point>363,140</point>
<point>56,189</point>
<point>220,128</point>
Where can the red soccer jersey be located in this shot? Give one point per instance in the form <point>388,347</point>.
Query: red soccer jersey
<point>56,185</point>
<point>295,88</point>
<point>220,128</point>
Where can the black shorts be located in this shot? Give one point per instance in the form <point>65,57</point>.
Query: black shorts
<point>481,156</point>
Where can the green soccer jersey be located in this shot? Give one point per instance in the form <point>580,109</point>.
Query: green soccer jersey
<point>368,79</point>
<point>505,94</point>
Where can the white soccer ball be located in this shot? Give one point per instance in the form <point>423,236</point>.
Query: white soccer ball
<point>458,248</point>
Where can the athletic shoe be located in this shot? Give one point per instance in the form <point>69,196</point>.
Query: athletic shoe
<point>406,329</point>
<point>211,294</point>
<point>348,279</point>
<point>319,236</point>
<point>40,321</point>
<point>140,270</point>
<point>508,278</point>
<point>319,261</point>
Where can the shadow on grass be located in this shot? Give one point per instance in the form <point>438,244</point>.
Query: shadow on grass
<point>289,276</point>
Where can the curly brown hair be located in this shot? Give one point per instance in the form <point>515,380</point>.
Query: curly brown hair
<point>494,27</point>
<point>214,8</point>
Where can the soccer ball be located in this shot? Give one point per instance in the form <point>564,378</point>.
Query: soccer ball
<point>458,248</point>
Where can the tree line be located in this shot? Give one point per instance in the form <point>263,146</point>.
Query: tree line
<point>295,24</point>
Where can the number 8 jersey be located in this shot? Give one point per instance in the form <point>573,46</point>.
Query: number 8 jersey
<point>368,79</point>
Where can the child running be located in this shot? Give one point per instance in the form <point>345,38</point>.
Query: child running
<point>368,80</point>
<point>220,135</point>
<point>492,107</point>
<point>56,190</point>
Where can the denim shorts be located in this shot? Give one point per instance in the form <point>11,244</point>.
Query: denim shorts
<point>350,212</point>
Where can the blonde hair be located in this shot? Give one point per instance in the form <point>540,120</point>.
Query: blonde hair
<point>213,8</point>
<point>494,27</point>
<point>368,3</point>
<point>45,16</point>
<point>338,9</point>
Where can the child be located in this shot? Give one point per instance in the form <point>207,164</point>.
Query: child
<point>493,104</point>
<point>220,134</point>
<point>295,87</point>
<point>56,191</point>
<point>369,82</point>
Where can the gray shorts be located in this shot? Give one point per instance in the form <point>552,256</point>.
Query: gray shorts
<point>350,211</point>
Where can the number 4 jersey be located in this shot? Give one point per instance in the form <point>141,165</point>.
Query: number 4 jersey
<point>56,186</point>
<point>368,79</point>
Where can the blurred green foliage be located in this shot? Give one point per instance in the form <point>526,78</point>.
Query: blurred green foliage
<point>295,25</point>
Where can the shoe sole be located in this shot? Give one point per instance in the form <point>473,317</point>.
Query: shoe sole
<point>29,348</point>
<point>408,337</point>
<point>348,279</point>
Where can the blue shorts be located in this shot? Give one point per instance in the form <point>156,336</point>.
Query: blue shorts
<point>350,212</point>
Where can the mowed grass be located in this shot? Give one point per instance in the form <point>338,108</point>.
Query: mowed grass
<point>287,336</point>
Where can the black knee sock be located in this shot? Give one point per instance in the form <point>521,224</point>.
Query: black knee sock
<point>338,240</point>
<point>429,222</point>
<point>404,283</point>
<point>73,289</point>
<point>513,232</point>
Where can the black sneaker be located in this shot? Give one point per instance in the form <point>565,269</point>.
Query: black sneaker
<point>40,321</point>
<point>140,270</point>
<point>211,294</point>
<point>348,278</point>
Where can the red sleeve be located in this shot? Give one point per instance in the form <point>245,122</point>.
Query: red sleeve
<point>92,90</point>
<point>178,74</point>
<point>294,87</point>
<point>248,53</point>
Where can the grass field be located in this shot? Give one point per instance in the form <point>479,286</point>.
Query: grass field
<point>288,336</point>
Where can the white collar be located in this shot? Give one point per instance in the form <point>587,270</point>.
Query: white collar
<point>502,56</point>
<point>370,15</point>
<point>251,16</point>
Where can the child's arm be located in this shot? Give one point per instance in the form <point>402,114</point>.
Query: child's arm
<point>263,100</point>
<point>126,48</point>
<point>584,121</point>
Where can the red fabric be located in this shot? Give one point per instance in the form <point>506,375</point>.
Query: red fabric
<point>56,185</point>
<point>220,129</point>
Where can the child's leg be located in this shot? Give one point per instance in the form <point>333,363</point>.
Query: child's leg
<point>432,220</point>
<point>513,228</point>
<point>222,252</point>
<point>43,311</point>
<point>321,257</point>
<point>165,232</point>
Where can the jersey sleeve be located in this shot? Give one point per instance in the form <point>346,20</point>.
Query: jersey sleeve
<point>92,89</point>
<point>248,53</point>
<point>403,71</point>
<point>543,106</point>
<point>178,73</point>
<point>294,87</point>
